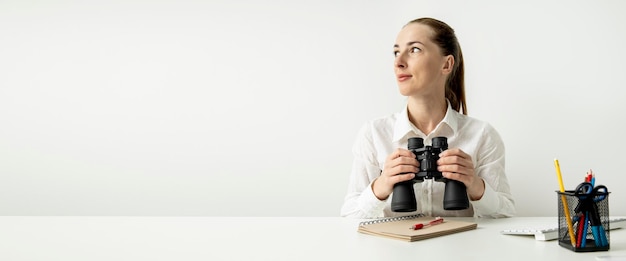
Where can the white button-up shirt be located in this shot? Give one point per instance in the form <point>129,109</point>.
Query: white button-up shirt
<point>380,137</point>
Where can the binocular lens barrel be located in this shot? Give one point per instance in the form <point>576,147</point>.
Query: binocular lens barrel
<point>403,199</point>
<point>455,196</point>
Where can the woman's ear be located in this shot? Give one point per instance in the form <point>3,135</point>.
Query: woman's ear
<point>448,64</point>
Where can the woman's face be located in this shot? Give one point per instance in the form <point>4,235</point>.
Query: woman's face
<point>419,66</point>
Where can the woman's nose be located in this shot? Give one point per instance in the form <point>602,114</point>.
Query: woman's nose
<point>399,61</point>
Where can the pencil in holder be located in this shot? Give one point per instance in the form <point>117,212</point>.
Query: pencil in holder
<point>584,219</point>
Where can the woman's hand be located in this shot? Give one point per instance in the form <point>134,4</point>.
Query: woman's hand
<point>457,165</point>
<point>400,166</point>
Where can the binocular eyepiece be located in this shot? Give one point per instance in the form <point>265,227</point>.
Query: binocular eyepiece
<point>455,194</point>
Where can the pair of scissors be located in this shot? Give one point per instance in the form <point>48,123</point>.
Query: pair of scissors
<point>588,196</point>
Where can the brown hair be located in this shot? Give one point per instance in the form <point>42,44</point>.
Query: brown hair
<point>445,38</point>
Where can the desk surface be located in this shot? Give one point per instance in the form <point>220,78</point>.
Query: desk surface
<point>267,238</point>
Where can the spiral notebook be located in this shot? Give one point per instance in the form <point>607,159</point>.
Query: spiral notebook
<point>400,227</point>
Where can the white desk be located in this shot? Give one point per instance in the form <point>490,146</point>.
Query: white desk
<point>267,238</point>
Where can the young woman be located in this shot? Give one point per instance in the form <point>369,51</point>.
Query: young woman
<point>429,71</point>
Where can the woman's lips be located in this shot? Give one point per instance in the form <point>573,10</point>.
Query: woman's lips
<point>403,77</point>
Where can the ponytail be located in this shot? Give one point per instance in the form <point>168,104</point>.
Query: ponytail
<point>455,85</point>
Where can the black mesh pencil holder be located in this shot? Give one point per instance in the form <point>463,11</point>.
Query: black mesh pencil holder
<point>584,218</point>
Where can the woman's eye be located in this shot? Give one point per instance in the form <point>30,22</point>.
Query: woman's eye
<point>395,53</point>
<point>415,50</point>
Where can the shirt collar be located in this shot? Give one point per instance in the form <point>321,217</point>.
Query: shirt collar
<point>403,126</point>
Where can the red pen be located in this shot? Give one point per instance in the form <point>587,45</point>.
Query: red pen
<point>437,220</point>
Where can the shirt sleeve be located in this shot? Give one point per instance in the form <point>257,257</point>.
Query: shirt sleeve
<point>360,201</point>
<point>497,201</point>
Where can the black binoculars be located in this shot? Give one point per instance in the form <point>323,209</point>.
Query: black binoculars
<point>403,197</point>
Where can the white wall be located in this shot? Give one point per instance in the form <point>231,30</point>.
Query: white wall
<point>250,108</point>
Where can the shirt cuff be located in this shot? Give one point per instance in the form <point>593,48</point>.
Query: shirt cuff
<point>488,203</point>
<point>370,204</point>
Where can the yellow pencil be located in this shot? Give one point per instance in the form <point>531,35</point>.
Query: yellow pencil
<point>570,226</point>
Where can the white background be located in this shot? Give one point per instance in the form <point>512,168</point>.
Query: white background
<point>250,108</point>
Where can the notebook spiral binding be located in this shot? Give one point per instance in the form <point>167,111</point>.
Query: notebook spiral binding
<point>390,219</point>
